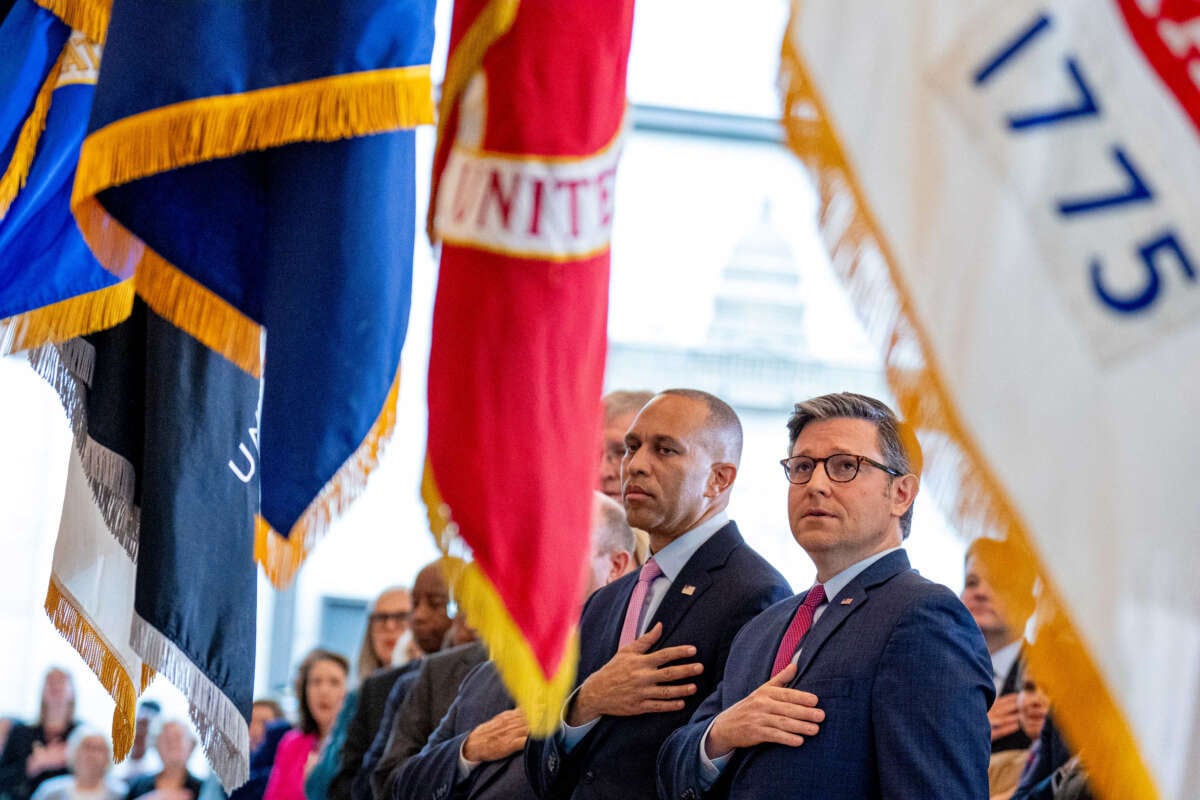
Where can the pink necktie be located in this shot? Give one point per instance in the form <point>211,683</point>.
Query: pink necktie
<point>799,626</point>
<point>637,601</point>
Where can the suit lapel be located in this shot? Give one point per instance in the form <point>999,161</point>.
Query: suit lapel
<point>838,611</point>
<point>696,574</point>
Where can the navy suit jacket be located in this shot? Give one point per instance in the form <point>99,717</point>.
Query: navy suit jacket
<point>723,585</point>
<point>905,681</point>
<point>433,773</point>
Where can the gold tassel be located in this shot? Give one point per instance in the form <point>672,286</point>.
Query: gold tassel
<point>207,128</point>
<point>87,16</point>
<point>281,557</point>
<point>1086,707</point>
<point>539,696</point>
<point>66,614</point>
<point>173,295</point>
<point>66,319</point>
<point>17,171</point>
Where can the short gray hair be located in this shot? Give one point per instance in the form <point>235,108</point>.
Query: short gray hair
<point>610,529</point>
<point>894,444</point>
<point>620,402</point>
<point>86,731</point>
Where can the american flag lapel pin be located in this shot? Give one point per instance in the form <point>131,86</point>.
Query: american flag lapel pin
<point>689,590</point>
<point>847,601</point>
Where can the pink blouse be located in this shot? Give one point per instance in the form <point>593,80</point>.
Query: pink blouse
<point>287,776</point>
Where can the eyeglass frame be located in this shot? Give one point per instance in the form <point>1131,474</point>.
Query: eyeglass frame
<point>824,462</point>
<point>382,618</point>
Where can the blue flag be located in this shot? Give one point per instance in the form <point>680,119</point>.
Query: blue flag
<point>248,169</point>
<point>47,273</point>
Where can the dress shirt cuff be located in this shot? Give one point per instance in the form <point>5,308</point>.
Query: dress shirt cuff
<point>571,735</point>
<point>711,768</point>
<point>465,765</point>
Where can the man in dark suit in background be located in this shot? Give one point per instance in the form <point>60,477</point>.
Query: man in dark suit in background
<point>475,753</point>
<point>881,690</point>
<point>653,643</point>
<point>429,623</point>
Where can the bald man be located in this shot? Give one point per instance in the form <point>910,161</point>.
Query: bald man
<point>653,644</point>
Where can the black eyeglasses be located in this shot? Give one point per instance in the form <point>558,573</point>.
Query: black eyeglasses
<point>840,467</point>
<point>396,618</point>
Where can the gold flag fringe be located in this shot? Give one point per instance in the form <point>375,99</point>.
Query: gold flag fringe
<point>281,557</point>
<point>539,696</point>
<point>66,319</point>
<point>207,128</point>
<point>17,171</point>
<point>68,617</point>
<point>88,16</point>
<point>493,21</point>
<point>173,295</point>
<point>1086,707</point>
<point>223,731</point>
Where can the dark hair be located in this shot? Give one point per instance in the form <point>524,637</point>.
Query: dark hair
<point>722,421</point>
<point>307,723</point>
<point>894,444</point>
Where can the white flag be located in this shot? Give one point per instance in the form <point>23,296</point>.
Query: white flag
<point>1011,189</point>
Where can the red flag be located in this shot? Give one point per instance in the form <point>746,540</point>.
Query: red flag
<point>531,117</point>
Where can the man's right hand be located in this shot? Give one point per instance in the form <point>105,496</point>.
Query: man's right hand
<point>499,737</point>
<point>1003,716</point>
<point>771,713</point>
<point>635,681</point>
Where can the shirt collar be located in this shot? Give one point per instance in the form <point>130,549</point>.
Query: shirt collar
<point>1004,658</point>
<point>834,585</point>
<point>672,558</point>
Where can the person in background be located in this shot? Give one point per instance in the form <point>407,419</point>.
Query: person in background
<point>34,753</point>
<point>620,407</point>
<point>428,624</point>
<point>320,690</point>
<point>1006,766</point>
<point>386,623</point>
<point>613,543</point>
<point>174,741</point>
<point>142,759</point>
<point>991,614</point>
<point>263,711</point>
<point>89,757</point>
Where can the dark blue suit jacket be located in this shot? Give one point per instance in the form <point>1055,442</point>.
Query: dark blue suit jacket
<point>722,586</point>
<point>905,681</point>
<point>433,773</point>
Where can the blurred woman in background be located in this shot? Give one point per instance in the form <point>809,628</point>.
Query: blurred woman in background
<point>320,690</point>
<point>386,623</point>
<point>174,741</point>
<point>34,753</point>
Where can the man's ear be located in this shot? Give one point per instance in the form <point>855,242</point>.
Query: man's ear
<point>720,477</point>
<point>904,492</point>
<point>618,564</point>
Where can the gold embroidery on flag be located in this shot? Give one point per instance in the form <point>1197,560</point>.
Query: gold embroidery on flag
<point>89,16</point>
<point>1090,714</point>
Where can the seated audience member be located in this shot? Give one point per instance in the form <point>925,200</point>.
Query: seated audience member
<point>424,702</point>
<point>34,753</point>
<point>387,622</point>
<point>262,759</point>
<point>174,742</point>
<point>142,759</point>
<point>262,712</point>
<point>1006,766</point>
<point>89,757</point>
<point>476,751</point>
<point>320,691</point>
<point>1054,771</point>
<point>620,407</point>
<point>428,623</point>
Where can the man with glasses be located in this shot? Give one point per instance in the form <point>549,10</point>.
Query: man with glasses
<point>653,643</point>
<point>873,683</point>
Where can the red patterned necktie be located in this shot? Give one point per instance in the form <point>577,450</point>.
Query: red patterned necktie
<point>799,626</point>
<point>637,601</point>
